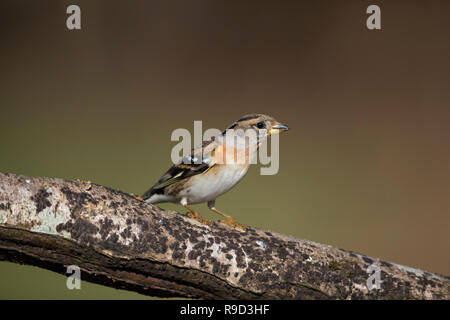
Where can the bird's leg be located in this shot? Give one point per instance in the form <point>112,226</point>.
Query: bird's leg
<point>195,215</point>
<point>229,220</point>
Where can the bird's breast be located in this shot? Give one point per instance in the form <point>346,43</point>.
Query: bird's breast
<point>215,182</point>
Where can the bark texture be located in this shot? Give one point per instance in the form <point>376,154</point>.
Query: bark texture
<point>121,242</point>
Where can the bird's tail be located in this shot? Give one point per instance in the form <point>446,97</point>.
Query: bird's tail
<point>154,195</point>
<point>147,195</point>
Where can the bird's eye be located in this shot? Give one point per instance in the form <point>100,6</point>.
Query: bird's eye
<point>260,125</point>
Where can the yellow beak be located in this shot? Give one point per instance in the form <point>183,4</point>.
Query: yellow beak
<point>277,128</point>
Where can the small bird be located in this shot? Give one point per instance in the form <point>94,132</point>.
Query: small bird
<point>215,167</point>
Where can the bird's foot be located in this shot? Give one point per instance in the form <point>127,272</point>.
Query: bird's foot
<point>138,198</point>
<point>199,218</point>
<point>233,223</point>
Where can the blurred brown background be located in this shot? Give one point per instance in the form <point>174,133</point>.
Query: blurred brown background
<point>365,166</point>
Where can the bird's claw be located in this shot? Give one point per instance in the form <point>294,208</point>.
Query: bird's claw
<point>233,223</point>
<point>199,218</point>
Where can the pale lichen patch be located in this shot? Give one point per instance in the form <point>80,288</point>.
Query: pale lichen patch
<point>23,210</point>
<point>3,216</point>
<point>47,221</point>
<point>427,293</point>
<point>49,218</point>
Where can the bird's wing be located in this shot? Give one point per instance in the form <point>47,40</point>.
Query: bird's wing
<point>188,166</point>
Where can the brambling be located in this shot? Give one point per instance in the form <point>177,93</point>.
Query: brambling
<point>215,167</point>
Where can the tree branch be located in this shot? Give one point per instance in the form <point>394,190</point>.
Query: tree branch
<point>123,243</point>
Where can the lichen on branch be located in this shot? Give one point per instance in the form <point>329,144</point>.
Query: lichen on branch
<point>121,242</point>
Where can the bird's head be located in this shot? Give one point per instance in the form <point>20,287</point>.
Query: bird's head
<point>263,124</point>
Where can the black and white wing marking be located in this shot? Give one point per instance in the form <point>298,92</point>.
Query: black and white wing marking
<point>188,166</point>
